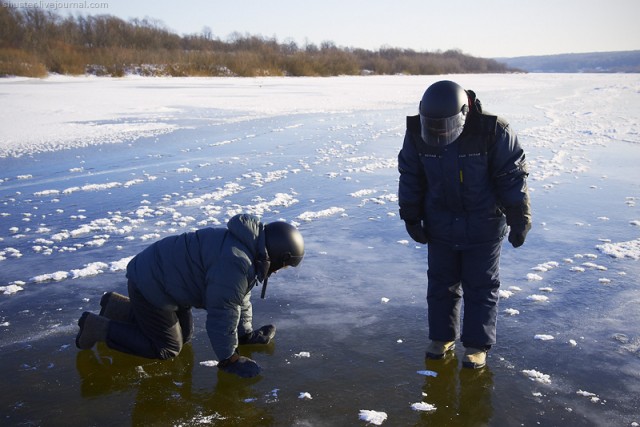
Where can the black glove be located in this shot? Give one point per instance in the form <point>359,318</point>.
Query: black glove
<point>415,230</point>
<point>262,336</point>
<point>519,221</point>
<point>240,366</point>
<point>518,234</point>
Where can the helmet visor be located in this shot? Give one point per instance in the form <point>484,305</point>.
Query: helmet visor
<point>441,132</point>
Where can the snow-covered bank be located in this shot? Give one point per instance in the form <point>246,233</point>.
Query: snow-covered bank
<point>61,111</point>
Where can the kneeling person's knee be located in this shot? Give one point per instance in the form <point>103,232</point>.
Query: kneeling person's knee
<point>168,352</point>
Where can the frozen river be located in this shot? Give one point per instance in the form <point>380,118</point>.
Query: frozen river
<point>94,170</point>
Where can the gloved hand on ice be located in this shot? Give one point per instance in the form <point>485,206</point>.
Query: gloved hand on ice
<point>240,366</point>
<point>261,336</point>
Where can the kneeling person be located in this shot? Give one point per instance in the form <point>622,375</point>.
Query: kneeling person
<point>212,268</point>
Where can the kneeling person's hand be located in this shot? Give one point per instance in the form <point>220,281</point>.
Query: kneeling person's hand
<point>240,366</point>
<point>262,336</point>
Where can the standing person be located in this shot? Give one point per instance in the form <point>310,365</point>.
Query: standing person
<point>462,182</point>
<point>212,268</point>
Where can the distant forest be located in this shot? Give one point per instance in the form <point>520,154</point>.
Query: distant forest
<point>35,42</point>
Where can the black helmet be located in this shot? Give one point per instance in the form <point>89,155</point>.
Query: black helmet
<point>443,111</point>
<point>285,248</point>
<point>284,245</point>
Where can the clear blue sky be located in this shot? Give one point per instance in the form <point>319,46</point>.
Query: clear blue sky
<point>487,28</point>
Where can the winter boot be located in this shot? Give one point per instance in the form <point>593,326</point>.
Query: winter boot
<point>438,349</point>
<point>93,328</point>
<point>474,358</point>
<point>115,307</point>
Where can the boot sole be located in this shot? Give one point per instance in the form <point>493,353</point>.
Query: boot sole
<point>472,365</point>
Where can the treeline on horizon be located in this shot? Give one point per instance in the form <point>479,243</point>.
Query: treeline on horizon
<point>34,43</point>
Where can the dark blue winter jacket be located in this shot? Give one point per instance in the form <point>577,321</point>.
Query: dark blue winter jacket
<point>212,268</point>
<point>461,191</point>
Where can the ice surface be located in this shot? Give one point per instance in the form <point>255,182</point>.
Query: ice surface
<point>92,170</point>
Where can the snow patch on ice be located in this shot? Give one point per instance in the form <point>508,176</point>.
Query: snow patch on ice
<point>309,216</point>
<point>91,269</point>
<point>428,373</point>
<point>504,294</point>
<point>373,417</point>
<point>538,298</point>
<point>592,396</point>
<point>302,354</point>
<point>629,249</point>
<point>11,289</point>
<point>537,376</point>
<point>543,337</point>
<point>423,406</point>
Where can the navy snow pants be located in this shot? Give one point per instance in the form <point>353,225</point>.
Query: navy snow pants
<point>470,276</point>
<point>153,333</point>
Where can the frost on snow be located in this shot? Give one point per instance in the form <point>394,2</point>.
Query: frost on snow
<point>309,216</point>
<point>504,294</point>
<point>10,289</point>
<point>302,354</point>
<point>630,249</point>
<point>428,373</point>
<point>373,417</point>
<point>537,376</point>
<point>543,337</point>
<point>423,406</point>
<point>593,397</point>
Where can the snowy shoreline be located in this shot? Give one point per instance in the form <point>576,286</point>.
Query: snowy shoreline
<point>59,112</point>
